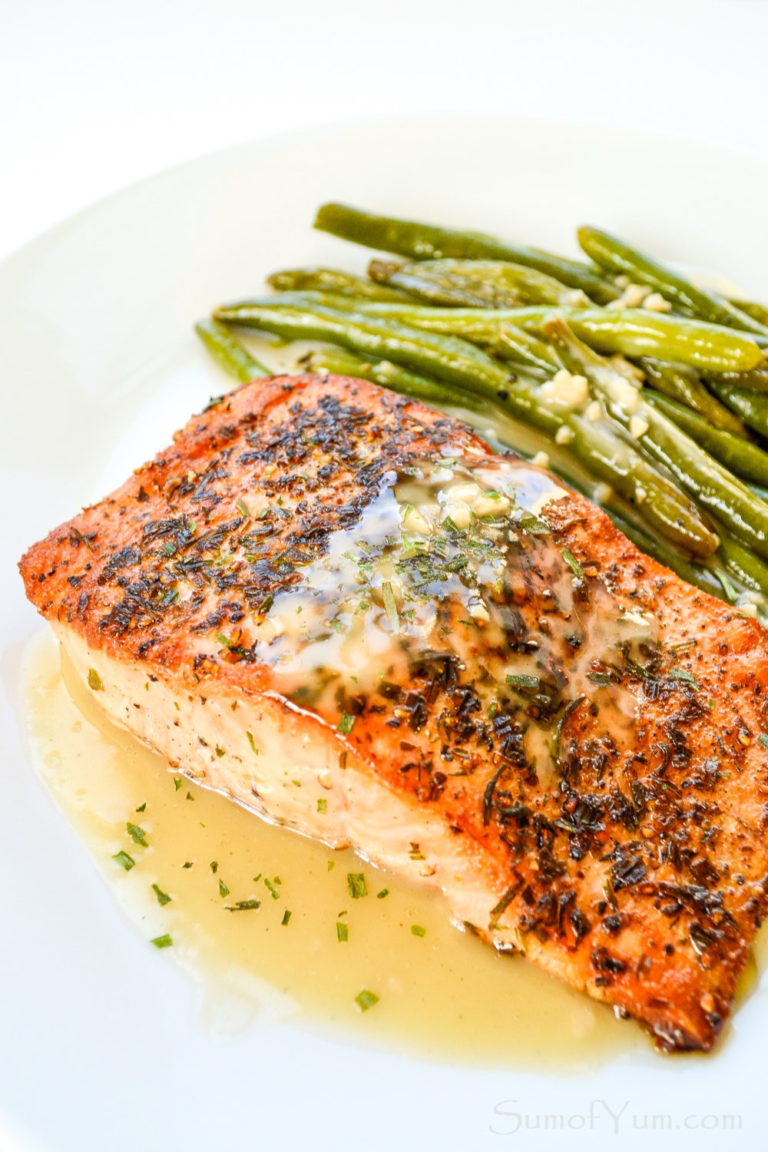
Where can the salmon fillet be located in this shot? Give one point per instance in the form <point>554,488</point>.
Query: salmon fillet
<point>338,607</point>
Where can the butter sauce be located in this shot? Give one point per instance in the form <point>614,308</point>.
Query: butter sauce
<point>443,995</point>
<point>431,564</point>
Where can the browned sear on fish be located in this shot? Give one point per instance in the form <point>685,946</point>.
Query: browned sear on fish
<point>325,591</point>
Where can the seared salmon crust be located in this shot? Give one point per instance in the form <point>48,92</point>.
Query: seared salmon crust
<point>545,723</point>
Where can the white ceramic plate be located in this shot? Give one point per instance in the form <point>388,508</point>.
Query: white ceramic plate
<point>99,1046</point>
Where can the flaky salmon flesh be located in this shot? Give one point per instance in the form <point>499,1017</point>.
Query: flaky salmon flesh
<point>325,592</point>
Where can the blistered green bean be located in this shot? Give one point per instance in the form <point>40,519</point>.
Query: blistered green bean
<point>619,257</point>
<point>420,241</point>
<point>230,353</point>
<point>475,283</point>
<point>743,458</point>
<point>683,384</point>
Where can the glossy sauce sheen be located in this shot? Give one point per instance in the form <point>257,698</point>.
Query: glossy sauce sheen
<point>444,995</point>
<point>638,877</point>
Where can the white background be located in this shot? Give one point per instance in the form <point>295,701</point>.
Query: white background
<point>95,95</point>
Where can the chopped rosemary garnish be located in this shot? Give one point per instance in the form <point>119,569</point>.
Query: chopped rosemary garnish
<point>177,782</point>
<point>346,723</point>
<point>286,917</point>
<point>342,931</point>
<point>684,674</point>
<point>384,892</point>
<point>162,897</point>
<point>573,564</point>
<point>243,508</point>
<point>252,742</point>
<point>534,525</point>
<point>356,885</point>
<point>366,999</point>
<point>124,860</point>
<point>390,605</point>
<point>214,866</point>
<point>521,680</point>
<point>223,889</point>
<point>244,905</point>
<point>141,807</point>
<point>137,834</point>
<point>730,592</point>
<point>763,739</point>
<point>271,889</point>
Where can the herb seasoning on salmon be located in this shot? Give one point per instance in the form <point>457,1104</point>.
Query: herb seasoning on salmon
<point>340,608</point>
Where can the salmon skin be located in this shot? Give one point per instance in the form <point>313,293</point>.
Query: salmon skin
<point>338,607</point>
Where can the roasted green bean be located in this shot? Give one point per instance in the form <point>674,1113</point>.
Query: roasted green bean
<point>341,362</point>
<point>616,256</point>
<point>335,281</point>
<point>426,242</point>
<point>476,283</point>
<point>743,458</point>
<point>632,332</point>
<point>230,353</point>
<point>752,407</point>
<point>683,384</point>
<point>712,486</point>
<point>446,357</point>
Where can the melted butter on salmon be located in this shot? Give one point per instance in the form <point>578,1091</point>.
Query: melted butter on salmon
<point>339,608</point>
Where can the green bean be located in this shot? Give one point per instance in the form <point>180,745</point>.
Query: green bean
<point>618,463</point>
<point>744,459</point>
<point>522,349</point>
<point>309,299</point>
<point>742,564</point>
<point>445,357</point>
<point>479,325</point>
<point>341,362</point>
<point>633,332</point>
<point>230,353</point>
<point>636,332</point>
<point>615,256</point>
<point>608,456</point>
<point>713,486</point>
<point>755,380</point>
<point>332,280</point>
<point>427,242</point>
<point>682,384</point>
<point>476,283</point>
<point>752,407</point>
<point>757,311</point>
